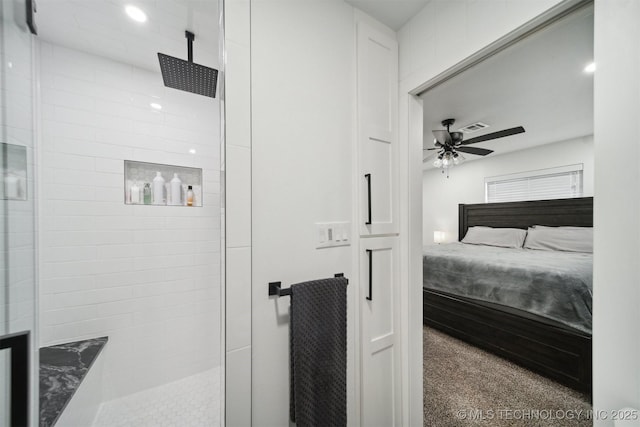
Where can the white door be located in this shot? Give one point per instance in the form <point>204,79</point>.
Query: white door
<point>380,362</point>
<point>377,131</point>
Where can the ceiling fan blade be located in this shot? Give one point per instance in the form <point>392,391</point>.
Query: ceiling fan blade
<point>442,136</point>
<point>429,149</point>
<point>429,157</point>
<point>474,150</point>
<point>494,135</point>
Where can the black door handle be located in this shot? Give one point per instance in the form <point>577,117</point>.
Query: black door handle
<point>370,253</point>
<point>19,346</point>
<point>368,178</point>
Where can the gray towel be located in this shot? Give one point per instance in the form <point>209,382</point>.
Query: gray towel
<point>318,353</point>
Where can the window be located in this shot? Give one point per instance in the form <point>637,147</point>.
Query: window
<point>555,183</point>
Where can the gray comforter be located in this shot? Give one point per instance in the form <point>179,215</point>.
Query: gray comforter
<point>552,284</point>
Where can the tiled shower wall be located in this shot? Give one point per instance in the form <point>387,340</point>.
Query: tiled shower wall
<point>146,276</point>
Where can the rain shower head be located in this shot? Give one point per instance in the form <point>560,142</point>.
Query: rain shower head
<point>187,75</point>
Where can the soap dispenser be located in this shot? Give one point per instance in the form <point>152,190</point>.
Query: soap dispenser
<point>176,190</point>
<point>158,189</point>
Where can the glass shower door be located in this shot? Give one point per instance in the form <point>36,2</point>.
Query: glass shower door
<point>18,370</point>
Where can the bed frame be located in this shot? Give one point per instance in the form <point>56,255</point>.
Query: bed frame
<point>539,344</point>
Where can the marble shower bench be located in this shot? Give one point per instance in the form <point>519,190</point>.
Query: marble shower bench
<point>63,368</point>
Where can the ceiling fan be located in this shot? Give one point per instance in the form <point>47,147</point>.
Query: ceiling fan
<point>449,144</point>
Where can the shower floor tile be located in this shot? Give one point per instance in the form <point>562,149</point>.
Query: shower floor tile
<point>191,402</point>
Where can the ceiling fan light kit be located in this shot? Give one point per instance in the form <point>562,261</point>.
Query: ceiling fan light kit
<point>447,160</point>
<point>449,145</point>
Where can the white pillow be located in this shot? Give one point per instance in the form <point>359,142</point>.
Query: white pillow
<point>503,237</point>
<point>568,239</point>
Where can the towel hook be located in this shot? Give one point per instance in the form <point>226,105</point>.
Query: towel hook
<point>275,288</point>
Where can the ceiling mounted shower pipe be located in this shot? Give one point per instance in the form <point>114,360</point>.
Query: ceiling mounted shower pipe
<point>190,37</point>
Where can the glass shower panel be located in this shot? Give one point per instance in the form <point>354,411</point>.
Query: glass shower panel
<point>129,208</point>
<point>17,214</point>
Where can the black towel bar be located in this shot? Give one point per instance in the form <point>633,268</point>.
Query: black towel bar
<point>275,288</point>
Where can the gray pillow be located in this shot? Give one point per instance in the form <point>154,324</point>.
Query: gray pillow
<point>503,237</point>
<point>568,239</point>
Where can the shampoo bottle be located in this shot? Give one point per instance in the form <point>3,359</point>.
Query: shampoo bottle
<point>158,189</point>
<point>146,193</point>
<point>135,194</point>
<point>176,190</point>
<point>190,196</point>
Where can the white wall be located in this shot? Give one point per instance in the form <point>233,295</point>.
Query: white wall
<point>616,293</point>
<point>428,46</point>
<point>466,182</point>
<point>303,90</point>
<point>146,276</point>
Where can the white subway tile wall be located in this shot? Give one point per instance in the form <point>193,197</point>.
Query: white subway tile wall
<point>146,276</point>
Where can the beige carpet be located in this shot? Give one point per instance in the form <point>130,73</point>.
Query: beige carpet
<point>465,386</point>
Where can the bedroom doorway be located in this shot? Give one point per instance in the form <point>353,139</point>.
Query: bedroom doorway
<point>499,343</point>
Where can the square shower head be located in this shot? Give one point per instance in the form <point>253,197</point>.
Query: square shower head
<point>188,76</point>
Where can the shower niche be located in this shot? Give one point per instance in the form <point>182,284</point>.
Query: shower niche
<point>157,184</point>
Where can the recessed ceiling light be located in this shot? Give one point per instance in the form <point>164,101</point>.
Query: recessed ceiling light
<point>192,151</point>
<point>156,106</point>
<point>590,68</point>
<point>136,13</point>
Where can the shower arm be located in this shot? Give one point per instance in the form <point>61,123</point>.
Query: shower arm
<point>190,37</point>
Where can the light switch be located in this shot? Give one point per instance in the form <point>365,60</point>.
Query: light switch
<point>331,234</point>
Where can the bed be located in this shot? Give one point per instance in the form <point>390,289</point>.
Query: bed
<point>549,331</point>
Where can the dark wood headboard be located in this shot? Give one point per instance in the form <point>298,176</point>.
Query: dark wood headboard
<point>577,212</point>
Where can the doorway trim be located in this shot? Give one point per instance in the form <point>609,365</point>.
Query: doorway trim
<point>411,108</point>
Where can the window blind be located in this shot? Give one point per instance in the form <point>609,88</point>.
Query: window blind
<point>556,183</point>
